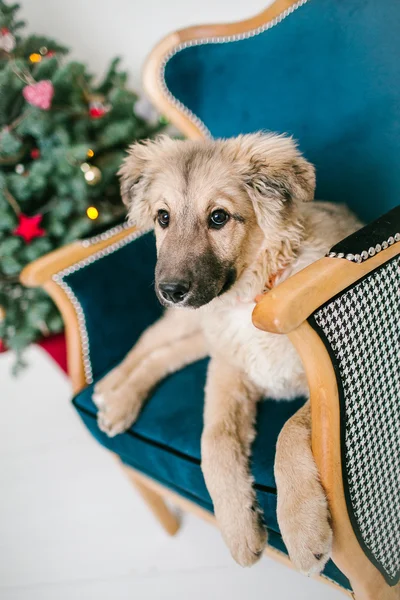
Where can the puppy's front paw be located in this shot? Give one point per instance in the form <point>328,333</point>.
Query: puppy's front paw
<point>244,533</point>
<point>118,410</point>
<point>304,522</point>
<point>111,381</point>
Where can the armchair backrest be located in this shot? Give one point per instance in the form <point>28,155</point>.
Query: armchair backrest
<point>325,71</point>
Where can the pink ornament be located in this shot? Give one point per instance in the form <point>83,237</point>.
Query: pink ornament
<point>39,94</point>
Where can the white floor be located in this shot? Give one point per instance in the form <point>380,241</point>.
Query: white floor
<point>73,528</point>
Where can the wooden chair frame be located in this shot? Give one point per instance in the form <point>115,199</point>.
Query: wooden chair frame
<point>284,310</point>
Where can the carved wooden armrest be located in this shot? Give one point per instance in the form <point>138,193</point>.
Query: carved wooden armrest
<point>44,273</point>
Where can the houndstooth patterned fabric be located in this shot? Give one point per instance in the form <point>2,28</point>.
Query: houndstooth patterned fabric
<point>362,327</point>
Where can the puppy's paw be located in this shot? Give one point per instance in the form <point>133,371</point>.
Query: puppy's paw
<point>306,530</point>
<point>244,533</point>
<point>111,381</point>
<point>118,410</point>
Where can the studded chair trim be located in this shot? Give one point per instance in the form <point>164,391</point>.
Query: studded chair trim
<point>360,328</point>
<point>371,239</point>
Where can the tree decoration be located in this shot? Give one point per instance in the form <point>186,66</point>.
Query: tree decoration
<point>92,212</point>
<point>28,227</point>
<point>97,108</point>
<point>39,94</point>
<point>35,57</point>
<point>62,140</point>
<point>91,173</point>
<point>7,40</point>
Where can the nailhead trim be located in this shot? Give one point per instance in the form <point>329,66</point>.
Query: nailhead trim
<point>59,279</point>
<point>106,235</point>
<point>359,258</point>
<point>215,40</point>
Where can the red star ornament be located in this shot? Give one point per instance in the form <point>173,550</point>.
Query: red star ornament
<point>28,227</point>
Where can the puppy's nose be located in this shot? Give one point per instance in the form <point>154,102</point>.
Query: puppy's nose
<point>174,291</point>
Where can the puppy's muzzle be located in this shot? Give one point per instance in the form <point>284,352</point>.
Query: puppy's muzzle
<point>174,291</point>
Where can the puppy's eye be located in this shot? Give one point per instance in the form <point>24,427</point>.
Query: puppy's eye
<point>163,218</point>
<point>218,218</point>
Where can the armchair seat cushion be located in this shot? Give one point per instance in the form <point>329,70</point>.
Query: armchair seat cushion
<point>164,443</point>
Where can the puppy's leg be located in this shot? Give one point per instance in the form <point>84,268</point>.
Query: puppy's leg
<point>225,446</point>
<point>172,326</point>
<point>120,407</point>
<point>303,512</point>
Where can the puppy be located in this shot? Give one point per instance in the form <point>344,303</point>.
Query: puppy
<point>231,218</point>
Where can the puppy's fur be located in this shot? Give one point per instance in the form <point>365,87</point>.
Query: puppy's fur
<point>263,185</point>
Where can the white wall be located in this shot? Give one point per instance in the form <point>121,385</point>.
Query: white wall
<point>99,30</point>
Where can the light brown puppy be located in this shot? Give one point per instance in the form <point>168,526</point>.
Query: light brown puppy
<point>230,217</point>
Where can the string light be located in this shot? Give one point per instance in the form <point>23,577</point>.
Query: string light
<point>92,212</point>
<point>91,173</point>
<point>35,57</point>
<point>90,153</point>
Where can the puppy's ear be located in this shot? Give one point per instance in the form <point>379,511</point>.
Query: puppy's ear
<point>135,181</point>
<point>274,173</point>
<point>136,175</point>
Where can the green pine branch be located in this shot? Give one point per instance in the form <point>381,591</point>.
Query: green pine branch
<point>41,157</point>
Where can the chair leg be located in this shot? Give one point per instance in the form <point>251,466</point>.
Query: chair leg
<point>155,502</point>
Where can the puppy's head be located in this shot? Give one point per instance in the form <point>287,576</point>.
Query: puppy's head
<point>213,204</point>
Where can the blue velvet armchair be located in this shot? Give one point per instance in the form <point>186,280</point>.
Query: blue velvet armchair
<point>327,72</point>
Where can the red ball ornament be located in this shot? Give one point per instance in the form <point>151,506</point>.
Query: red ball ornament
<point>28,227</point>
<point>96,113</point>
<point>35,153</point>
<point>97,109</point>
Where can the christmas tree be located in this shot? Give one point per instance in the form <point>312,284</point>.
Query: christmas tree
<point>62,139</point>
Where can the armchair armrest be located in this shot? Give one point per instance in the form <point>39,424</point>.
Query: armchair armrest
<point>103,289</point>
